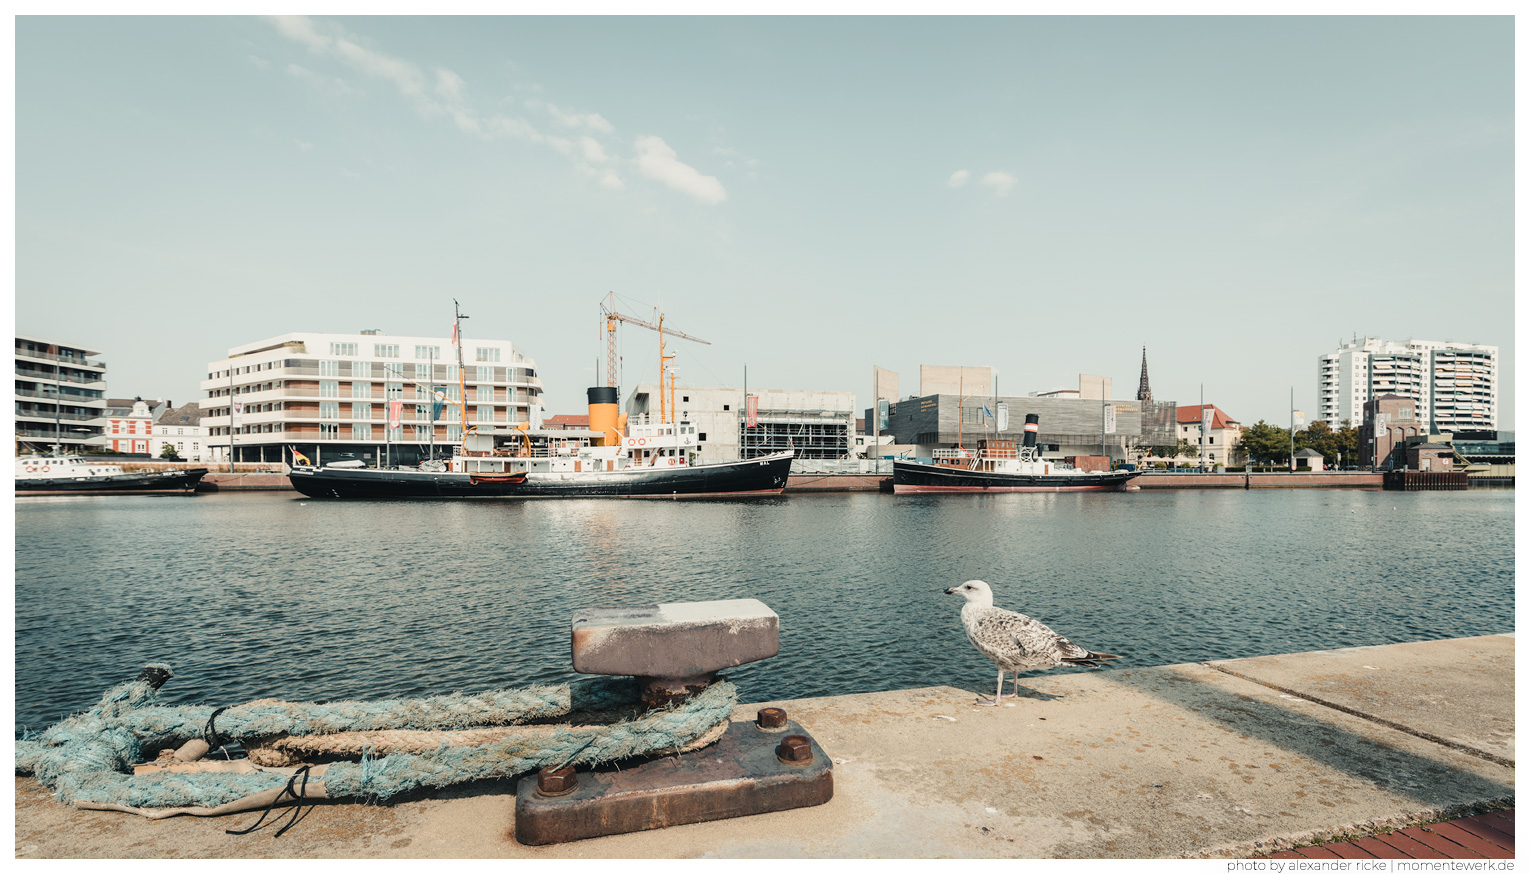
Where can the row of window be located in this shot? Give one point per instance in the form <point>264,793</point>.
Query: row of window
<point>390,350</point>
<point>366,369</point>
<point>417,433</point>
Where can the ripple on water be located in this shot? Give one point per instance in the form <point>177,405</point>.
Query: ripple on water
<point>260,595</point>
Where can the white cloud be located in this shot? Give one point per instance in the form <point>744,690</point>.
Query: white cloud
<point>327,85</point>
<point>999,181</point>
<point>958,179</point>
<point>259,62</point>
<point>440,93</point>
<point>590,120</point>
<point>657,160</point>
<point>592,150</point>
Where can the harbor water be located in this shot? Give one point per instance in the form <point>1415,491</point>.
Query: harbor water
<point>270,595</point>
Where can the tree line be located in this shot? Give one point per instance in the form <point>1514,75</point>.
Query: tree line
<point>1263,443</point>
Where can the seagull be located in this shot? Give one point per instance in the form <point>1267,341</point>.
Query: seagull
<point>1014,641</point>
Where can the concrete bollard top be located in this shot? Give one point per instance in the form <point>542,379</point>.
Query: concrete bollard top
<point>673,640</point>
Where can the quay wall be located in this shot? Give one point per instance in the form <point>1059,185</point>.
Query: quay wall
<point>1326,480</point>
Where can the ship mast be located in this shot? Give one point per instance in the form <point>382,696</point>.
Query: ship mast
<point>457,318</point>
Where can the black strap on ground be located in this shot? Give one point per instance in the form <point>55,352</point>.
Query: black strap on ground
<point>298,811</point>
<point>210,731</point>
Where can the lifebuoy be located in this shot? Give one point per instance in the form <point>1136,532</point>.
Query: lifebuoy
<point>45,468</point>
<point>642,441</point>
<point>31,468</point>
<point>671,462</point>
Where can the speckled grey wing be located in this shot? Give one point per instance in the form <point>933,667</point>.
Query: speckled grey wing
<point>1014,640</point>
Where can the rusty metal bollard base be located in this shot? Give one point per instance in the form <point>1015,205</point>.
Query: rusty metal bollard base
<point>740,775</point>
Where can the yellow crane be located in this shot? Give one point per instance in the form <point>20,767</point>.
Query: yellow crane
<point>609,313</point>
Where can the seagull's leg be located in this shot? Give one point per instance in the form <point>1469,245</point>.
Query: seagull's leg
<point>996,694</point>
<point>1016,693</point>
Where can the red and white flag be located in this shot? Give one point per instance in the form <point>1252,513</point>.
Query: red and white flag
<point>751,411</point>
<point>395,413</point>
<point>454,333</point>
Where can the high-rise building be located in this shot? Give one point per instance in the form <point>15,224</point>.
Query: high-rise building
<point>60,396</point>
<point>329,396</point>
<point>1455,385</point>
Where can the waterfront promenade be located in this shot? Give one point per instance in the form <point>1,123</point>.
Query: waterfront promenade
<point>1222,759</point>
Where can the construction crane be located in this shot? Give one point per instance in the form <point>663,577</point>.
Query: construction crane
<point>611,316</point>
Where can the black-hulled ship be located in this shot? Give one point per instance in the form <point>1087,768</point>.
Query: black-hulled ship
<point>73,475</point>
<point>1001,466</point>
<point>643,460</point>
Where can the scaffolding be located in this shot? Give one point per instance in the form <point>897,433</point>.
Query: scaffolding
<point>809,433</point>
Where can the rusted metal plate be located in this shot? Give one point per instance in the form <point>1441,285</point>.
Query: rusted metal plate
<point>740,775</point>
<point>673,640</point>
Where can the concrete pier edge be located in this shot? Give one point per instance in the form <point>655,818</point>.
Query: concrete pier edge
<point>1208,760</point>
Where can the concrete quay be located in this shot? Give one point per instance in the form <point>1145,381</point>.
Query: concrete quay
<point>1224,759</point>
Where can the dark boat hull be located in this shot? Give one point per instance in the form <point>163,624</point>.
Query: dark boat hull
<point>129,483</point>
<point>914,478</point>
<point>761,476</point>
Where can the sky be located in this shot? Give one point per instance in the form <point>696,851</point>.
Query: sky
<point>812,195</point>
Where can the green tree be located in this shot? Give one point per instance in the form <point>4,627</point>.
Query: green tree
<point>1265,443</point>
<point>169,454</point>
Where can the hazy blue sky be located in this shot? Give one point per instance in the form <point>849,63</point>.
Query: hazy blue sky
<point>812,195</point>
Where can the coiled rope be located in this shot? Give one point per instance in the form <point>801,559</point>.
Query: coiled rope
<point>87,759</point>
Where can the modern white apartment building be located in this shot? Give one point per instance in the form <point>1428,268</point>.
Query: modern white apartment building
<point>329,396</point>
<point>60,396</point>
<point>1454,384</point>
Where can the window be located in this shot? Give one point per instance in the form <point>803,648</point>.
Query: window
<point>451,373</point>
<point>427,352</point>
<point>329,389</point>
<point>393,391</point>
<point>725,408</point>
<point>485,374</point>
<point>685,399</point>
<point>361,411</point>
<point>329,432</point>
<point>329,410</point>
<point>482,354</point>
<point>361,369</point>
<point>485,393</point>
<point>361,432</point>
<point>329,368</point>
<point>702,437</point>
<point>454,433</point>
<point>422,372</point>
<point>421,433</point>
<point>485,414</point>
<point>384,350</point>
<point>422,412</point>
<point>361,389</point>
<point>343,349</point>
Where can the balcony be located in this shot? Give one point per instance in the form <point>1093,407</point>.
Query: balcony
<point>69,361</point>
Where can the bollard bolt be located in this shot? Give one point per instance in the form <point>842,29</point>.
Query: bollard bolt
<point>770,718</point>
<point>559,781</point>
<point>795,749</point>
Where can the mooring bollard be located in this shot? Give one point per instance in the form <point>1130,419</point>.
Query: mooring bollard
<point>675,651</point>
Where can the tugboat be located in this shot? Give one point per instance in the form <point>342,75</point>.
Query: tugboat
<point>73,475</point>
<point>999,466</point>
<point>646,460</point>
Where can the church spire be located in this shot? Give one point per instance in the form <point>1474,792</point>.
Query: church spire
<point>1143,392</point>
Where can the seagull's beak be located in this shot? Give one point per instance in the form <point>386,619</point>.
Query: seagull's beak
<point>949,591</point>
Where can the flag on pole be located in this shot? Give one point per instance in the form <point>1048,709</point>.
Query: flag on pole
<point>237,413</point>
<point>1298,419</point>
<point>1110,419</point>
<point>987,413</point>
<point>751,411</point>
<point>395,414</point>
<point>435,405</point>
<point>298,457</point>
<point>536,417</point>
<point>454,333</point>
<point>1003,416</point>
